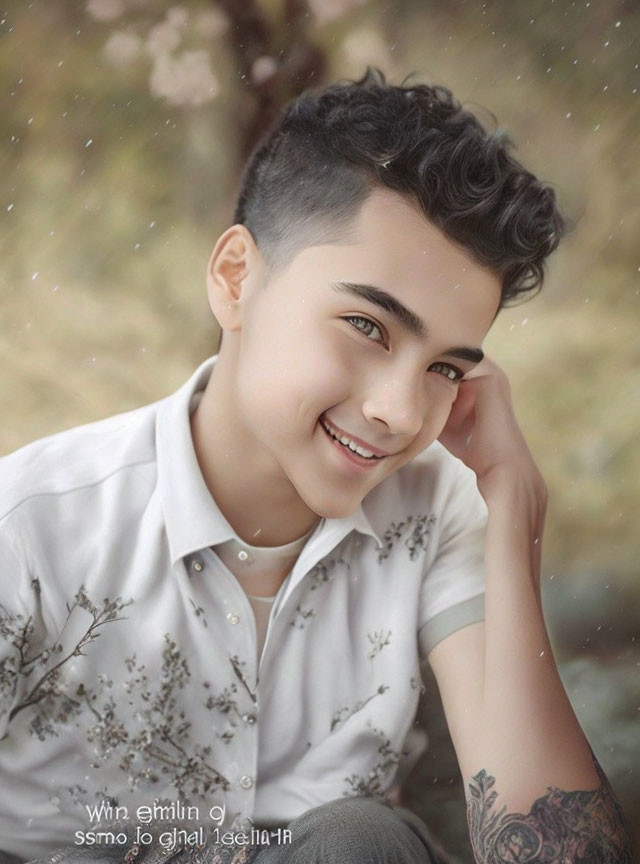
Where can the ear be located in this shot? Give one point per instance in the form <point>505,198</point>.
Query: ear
<point>234,268</point>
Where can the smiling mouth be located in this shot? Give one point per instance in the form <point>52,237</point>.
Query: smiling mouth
<point>350,446</point>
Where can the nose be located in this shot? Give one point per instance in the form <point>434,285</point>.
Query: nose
<point>396,403</point>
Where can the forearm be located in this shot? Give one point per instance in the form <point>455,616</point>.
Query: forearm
<point>527,726</point>
<point>528,737</point>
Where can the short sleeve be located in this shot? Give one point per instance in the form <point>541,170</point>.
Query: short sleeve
<point>452,594</point>
<point>18,621</point>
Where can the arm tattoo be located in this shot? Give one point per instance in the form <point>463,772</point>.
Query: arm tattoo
<point>561,827</point>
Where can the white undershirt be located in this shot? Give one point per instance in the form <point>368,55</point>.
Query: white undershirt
<point>248,563</point>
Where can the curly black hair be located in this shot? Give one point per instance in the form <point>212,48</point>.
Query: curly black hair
<point>308,177</point>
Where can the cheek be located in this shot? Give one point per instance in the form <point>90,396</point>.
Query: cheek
<point>320,369</point>
<point>288,384</point>
<point>439,408</point>
<point>442,407</point>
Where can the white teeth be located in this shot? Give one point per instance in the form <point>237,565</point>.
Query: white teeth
<point>355,448</point>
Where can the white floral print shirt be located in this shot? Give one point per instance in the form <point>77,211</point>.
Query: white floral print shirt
<point>128,661</point>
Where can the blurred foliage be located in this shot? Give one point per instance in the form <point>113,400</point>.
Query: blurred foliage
<point>124,127</point>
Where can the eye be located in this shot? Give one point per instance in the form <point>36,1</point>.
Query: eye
<point>365,326</point>
<point>451,372</point>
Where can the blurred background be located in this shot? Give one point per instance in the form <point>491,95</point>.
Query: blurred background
<point>124,127</point>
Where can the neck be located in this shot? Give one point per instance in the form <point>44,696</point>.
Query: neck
<point>251,490</point>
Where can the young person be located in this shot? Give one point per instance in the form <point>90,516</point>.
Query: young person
<point>215,608</point>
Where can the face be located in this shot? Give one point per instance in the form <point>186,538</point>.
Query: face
<point>361,343</point>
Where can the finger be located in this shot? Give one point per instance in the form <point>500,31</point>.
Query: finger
<point>464,404</point>
<point>484,367</point>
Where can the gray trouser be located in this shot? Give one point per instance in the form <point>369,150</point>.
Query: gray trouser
<point>355,831</point>
<point>344,831</point>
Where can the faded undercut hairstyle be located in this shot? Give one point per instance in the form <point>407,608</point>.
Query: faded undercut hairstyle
<point>307,179</point>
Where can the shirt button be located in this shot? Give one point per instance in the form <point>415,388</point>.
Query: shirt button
<point>197,566</point>
<point>243,556</point>
<point>249,718</point>
<point>246,782</point>
<point>232,618</point>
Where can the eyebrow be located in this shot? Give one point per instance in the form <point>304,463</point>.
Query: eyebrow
<point>407,319</point>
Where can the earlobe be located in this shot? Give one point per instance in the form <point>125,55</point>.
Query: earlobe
<point>233,259</point>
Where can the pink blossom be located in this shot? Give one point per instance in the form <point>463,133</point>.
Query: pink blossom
<point>186,79</point>
<point>105,10</point>
<point>122,48</point>
<point>263,68</point>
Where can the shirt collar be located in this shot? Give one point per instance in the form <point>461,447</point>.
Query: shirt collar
<point>192,518</point>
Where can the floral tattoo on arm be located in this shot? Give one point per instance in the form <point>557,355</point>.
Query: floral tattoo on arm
<point>574,827</point>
